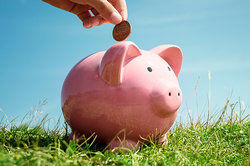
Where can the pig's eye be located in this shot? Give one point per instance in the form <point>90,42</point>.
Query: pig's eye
<point>150,69</point>
<point>169,68</point>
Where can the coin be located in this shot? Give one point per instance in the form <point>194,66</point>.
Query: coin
<point>121,31</point>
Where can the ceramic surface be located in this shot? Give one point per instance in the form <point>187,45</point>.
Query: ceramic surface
<point>124,89</point>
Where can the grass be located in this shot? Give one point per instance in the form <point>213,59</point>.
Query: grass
<point>220,140</point>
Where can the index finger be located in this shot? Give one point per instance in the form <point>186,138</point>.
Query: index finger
<point>121,7</point>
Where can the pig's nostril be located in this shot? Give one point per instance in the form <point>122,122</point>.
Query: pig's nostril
<point>169,93</point>
<point>179,94</point>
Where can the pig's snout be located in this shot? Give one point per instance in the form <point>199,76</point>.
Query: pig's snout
<point>172,98</point>
<point>166,99</point>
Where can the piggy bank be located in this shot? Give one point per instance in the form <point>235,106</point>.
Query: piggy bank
<point>124,95</point>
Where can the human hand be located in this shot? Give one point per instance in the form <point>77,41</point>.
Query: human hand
<point>104,11</point>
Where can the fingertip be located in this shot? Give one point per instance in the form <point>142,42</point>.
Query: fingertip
<point>87,27</point>
<point>124,15</point>
<point>107,11</point>
<point>115,18</point>
<point>90,27</point>
<point>96,22</point>
<point>121,7</point>
<point>86,24</point>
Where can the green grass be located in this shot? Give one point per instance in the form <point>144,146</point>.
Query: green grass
<point>220,140</point>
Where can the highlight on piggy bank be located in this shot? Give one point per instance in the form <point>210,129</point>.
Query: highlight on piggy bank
<point>124,89</point>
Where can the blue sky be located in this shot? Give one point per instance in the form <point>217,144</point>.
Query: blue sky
<point>39,44</point>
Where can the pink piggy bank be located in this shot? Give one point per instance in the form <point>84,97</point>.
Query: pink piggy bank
<point>124,94</point>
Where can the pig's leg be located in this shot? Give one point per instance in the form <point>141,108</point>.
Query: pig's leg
<point>164,139</point>
<point>126,144</point>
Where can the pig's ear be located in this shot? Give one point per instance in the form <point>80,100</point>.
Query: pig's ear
<point>172,55</point>
<point>115,58</point>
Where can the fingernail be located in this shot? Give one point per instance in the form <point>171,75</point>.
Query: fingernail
<point>116,18</point>
<point>95,23</point>
<point>88,26</point>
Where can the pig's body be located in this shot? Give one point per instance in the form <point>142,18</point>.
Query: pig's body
<point>114,91</point>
